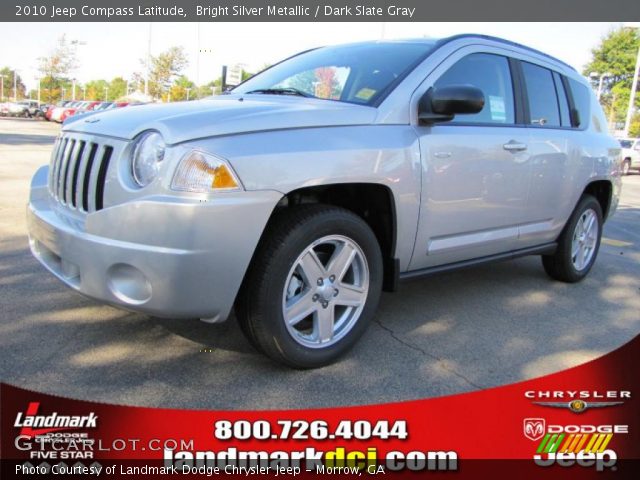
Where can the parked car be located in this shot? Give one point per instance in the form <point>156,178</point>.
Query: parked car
<point>630,154</point>
<point>4,109</point>
<point>73,108</point>
<point>42,110</point>
<point>308,189</point>
<point>20,109</point>
<point>53,114</point>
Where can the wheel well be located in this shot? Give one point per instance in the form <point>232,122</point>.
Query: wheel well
<point>601,189</point>
<point>372,202</point>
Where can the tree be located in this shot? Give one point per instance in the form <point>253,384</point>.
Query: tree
<point>615,55</point>
<point>634,128</point>
<point>164,69</point>
<point>180,87</point>
<point>56,67</point>
<point>98,90</point>
<point>8,73</point>
<point>211,88</point>
<point>117,88</point>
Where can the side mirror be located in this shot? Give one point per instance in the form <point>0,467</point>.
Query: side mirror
<point>442,104</point>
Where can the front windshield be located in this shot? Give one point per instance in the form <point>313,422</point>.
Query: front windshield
<point>361,73</point>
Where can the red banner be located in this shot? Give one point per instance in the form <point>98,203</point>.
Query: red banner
<point>577,423</point>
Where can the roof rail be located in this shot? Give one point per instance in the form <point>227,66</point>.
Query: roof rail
<point>446,40</point>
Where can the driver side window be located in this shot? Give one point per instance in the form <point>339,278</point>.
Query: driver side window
<point>490,73</point>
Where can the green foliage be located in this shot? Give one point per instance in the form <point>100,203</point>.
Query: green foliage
<point>117,88</point>
<point>165,68</point>
<point>55,69</point>
<point>20,93</point>
<point>615,55</point>
<point>634,129</point>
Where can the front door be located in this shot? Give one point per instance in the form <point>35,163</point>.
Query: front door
<point>476,171</point>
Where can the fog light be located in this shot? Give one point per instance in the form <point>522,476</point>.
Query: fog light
<point>128,284</point>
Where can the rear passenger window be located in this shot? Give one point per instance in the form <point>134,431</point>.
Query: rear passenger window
<point>543,102</point>
<point>491,74</point>
<point>582,102</point>
<point>563,101</point>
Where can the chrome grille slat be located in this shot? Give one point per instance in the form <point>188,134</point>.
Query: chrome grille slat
<point>64,179</point>
<point>71,169</point>
<point>56,170</point>
<point>86,177</point>
<point>52,166</point>
<point>79,170</point>
<point>62,169</point>
<point>78,175</point>
<point>93,179</point>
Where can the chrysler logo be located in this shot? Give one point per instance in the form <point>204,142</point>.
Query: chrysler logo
<point>534,428</point>
<point>577,406</point>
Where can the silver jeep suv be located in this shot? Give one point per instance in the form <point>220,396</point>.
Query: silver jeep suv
<point>302,193</point>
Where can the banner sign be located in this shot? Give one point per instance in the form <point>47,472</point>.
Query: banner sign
<point>317,11</point>
<point>579,423</point>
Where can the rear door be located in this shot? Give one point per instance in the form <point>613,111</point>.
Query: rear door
<point>554,147</point>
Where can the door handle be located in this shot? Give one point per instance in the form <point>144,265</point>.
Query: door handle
<point>514,146</point>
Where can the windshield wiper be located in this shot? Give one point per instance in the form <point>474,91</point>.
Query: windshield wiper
<point>283,91</point>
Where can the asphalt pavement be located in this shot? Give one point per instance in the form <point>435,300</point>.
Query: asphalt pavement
<point>457,332</point>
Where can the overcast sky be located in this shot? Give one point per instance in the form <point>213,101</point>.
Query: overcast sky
<point>115,49</point>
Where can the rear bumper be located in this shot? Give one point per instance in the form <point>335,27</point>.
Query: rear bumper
<point>164,256</point>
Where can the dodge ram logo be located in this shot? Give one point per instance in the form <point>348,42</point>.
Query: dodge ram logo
<point>534,428</point>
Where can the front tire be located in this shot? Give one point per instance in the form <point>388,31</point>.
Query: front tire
<point>578,243</point>
<point>313,286</point>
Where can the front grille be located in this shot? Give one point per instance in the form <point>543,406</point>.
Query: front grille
<point>78,173</point>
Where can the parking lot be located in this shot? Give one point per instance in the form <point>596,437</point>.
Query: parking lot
<point>457,332</point>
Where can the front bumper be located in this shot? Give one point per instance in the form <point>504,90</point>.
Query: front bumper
<point>176,257</point>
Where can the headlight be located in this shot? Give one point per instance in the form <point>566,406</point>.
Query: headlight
<point>202,172</point>
<point>147,156</point>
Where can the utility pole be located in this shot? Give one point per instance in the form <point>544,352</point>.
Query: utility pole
<point>39,91</point>
<point>187,89</point>
<point>73,91</point>
<point>84,92</point>
<point>632,97</point>
<point>148,64</point>
<point>106,94</point>
<point>2,87</point>
<point>198,54</point>
<point>15,86</point>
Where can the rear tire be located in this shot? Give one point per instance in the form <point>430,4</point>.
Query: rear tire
<point>578,243</point>
<point>313,286</point>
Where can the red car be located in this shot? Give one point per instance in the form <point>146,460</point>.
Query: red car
<point>76,108</point>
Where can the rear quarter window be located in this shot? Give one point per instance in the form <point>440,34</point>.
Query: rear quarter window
<point>582,103</point>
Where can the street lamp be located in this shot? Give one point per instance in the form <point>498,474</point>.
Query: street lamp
<point>595,75</point>
<point>632,96</point>
<point>147,69</point>
<point>15,86</point>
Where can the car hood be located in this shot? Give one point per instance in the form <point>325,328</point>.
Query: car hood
<point>225,115</point>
